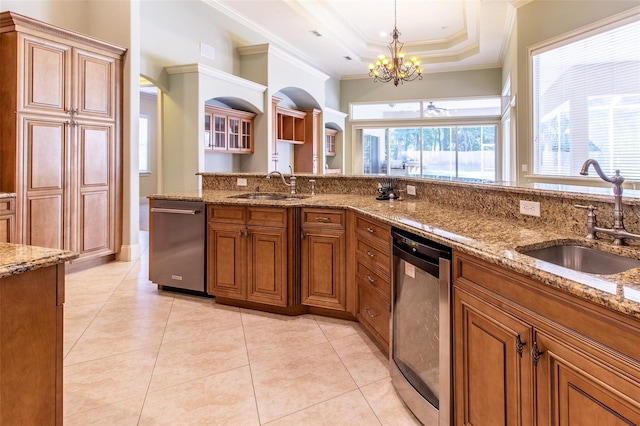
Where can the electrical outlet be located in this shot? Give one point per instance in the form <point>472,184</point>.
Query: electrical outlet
<point>242,182</point>
<point>411,190</point>
<point>525,168</point>
<point>530,208</point>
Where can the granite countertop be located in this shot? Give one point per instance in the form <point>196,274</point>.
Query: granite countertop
<point>496,240</point>
<point>7,195</point>
<point>16,258</point>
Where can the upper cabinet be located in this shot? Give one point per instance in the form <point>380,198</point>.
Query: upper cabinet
<point>228,130</point>
<point>330,142</point>
<point>290,125</point>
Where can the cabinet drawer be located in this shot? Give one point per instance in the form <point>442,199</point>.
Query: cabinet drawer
<point>367,277</point>
<point>374,312</point>
<point>226,214</point>
<point>325,218</point>
<point>266,216</point>
<point>7,205</point>
<point>374,230</point>
<point>373,256</point>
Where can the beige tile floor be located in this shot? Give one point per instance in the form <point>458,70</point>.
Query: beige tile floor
<point>137,356</point>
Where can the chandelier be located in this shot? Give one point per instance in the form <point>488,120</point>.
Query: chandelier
<point>395,68</point>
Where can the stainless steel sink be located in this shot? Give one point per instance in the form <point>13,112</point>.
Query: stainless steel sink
<point>584,259</point>
<point>268,196</point>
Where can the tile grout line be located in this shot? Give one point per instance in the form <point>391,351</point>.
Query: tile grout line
<point>253,386</point>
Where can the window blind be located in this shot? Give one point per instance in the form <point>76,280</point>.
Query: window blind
<point>586,102</point>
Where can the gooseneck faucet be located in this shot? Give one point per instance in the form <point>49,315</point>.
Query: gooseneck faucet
<point>292,180</point>
<point>618,231</point>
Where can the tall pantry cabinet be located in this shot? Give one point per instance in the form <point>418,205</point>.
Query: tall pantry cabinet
<point>60,136</point>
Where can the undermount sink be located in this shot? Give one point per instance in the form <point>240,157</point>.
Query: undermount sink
<point>267,196</point>
<point>584,259</point>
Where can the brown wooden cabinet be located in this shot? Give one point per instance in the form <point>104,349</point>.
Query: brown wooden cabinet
<point>324,258</point>
<point>248,254</point>
<point>228,130</point>
<point>300,128</point>
<point>31,347</point>
<point>372,276</point>
<point>7,219</point>
<point>525,353</point>
<point>60,143</point>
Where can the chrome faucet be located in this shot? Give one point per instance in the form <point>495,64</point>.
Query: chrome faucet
<point>618,232</point>
<point>292,180</point>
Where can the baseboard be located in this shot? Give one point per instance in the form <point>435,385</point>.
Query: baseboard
<point>129,252</point>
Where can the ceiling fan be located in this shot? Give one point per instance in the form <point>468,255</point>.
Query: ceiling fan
<point>434,111</point>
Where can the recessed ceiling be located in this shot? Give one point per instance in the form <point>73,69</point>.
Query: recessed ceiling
<point>447,35</point>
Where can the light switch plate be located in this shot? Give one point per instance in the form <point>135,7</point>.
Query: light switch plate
<point>242,182</point>
<point>411,190</point>
<point>530,208</point>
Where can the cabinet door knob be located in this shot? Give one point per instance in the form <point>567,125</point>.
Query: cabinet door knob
<point>371,255</point>
<point>519,345</point>
<point>371,280</point>
<point>370,313</point>
<point>536,354</point>
<point>370,230</point>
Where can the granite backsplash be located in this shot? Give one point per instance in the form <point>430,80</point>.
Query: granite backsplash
<point>557,208</point>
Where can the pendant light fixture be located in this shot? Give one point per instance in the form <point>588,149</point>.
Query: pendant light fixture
<point>395,68</point>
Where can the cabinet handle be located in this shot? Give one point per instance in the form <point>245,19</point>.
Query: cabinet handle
<point>302,235</point>
<point>322,219</point>
<point>247,233</point>
<point>371,315</point>
<point>371,255</point>
<point>536,353</point>
<point>519,345</point>
<point>371,280</point>
<point>240,233</point>
<point>370,230</point>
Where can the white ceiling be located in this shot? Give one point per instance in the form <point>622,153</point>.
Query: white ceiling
<point>447,35</point>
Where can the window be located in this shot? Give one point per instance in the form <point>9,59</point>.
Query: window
<point>440,139</point>
<point>586,102</point>
<point>463,152</point>
<point>143,144</point>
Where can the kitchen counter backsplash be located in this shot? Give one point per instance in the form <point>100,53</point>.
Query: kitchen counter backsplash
<point>557,208</point>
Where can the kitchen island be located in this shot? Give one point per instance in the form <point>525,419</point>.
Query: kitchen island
<point>31,333</point>
<point>557,342</point>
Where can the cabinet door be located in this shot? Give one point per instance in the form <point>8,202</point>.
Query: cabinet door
<point>579,389</point>
<point>95,95</point>
<point>208,140</point>
<point>233,143</point>
<point>267,265</point>
<point>323,269</point>
<point>96,210</point>
<point>226,253</point>
<point>246,144</point>
<point>46,85</point>
<point>45,222</point>
<point>492,361</point>
<point>219,132</point>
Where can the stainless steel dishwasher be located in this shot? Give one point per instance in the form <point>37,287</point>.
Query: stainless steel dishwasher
<point>420,347</point>
<point>177,246</point>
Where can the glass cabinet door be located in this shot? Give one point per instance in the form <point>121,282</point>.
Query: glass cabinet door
<point>219,132</point>
<point>234,133</point>
<point>207,131</point>
<point>246,135</point>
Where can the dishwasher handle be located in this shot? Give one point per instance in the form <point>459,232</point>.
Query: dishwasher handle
<point>174,211</point>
